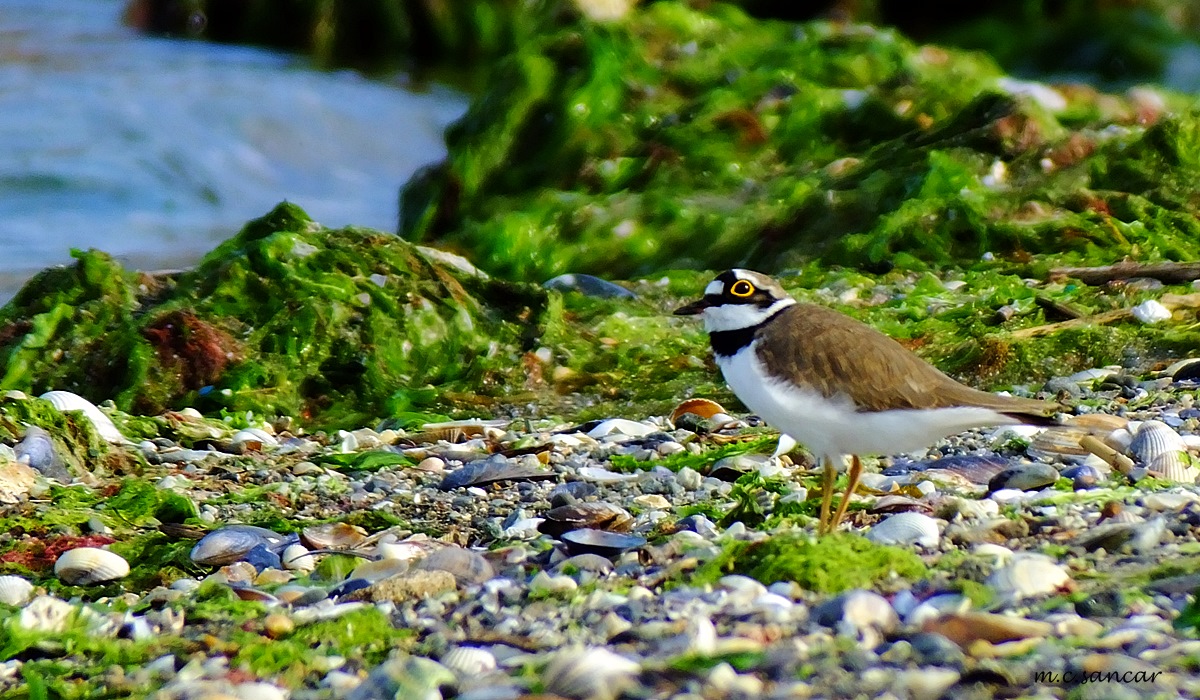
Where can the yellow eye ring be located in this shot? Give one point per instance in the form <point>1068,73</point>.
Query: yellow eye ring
<point>741,289</point>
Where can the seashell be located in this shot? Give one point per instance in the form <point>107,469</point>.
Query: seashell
<point>853,612</point>
<point>604,476</point>
<point>588,285</point>
<point>593,673</point>
<point>467,566</point>
<point>703,408</point>
<point>1089,376</point>
<point>1028,575</point>
<point>1025,477</point>
<point>1097,423</point>
<point>1059,444</point>
<point>47,614</point>
<point>232,542</point>
<point>1184,370</point>
<point>935,607</point>
<point>621,426</point>
<point>408,549</point>
<point>373,571</point>
<point>1153,439</point>
<point>967,627</point>
<point>998,554</point>
<point>906,528</point>
<point>16,481</point>
<point>1174,466</point>
<point>252,439</point>
<point>333,536</point>
<point>36,449</point>
<point>1119,439</point>
<point>84,566</point>
<point>469,661</point>
<point>584,563</point>
<point>15,590</point>
<point>1151,311</point>
<point>253,595</point>
<point>975,469</point>
<point>491,470</point>
<point>599,516</point>
<point>296,558</point>
<point>66,401</point>
<point>970,508</point>
<point>261,557</point>
<point>607,544</point>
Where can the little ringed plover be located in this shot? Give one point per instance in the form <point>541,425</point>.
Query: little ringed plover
<point>837,385</point>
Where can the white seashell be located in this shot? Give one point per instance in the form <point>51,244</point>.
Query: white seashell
<point>998,554</point>
<point>936,607</point>
<point>1119,439</point>
<point>621,426</point>
<point>66,401</point>
<point>242,437</point>
<point>862,610</point>
<point>46,614</point>
<point>15,590</point>
<point>1154,438</point>
<point>1151,312</point>
<point>1088,376</point>
<point>469,661</point>
<point>604,476</point>
<point>906,528</point>
<point>84,566</point>
<point>296,558</point>
<point>592,673</point>
<point>1060,443</point>
<point>1028,575</point>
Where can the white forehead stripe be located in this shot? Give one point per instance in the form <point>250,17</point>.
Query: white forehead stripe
<point>714,288</point>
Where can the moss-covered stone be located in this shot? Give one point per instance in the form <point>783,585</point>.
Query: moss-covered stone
<point>830,564</point>
<point>287,317</point>
<point>686,138</point>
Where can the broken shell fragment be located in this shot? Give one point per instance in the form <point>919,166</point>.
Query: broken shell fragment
<point>84,566</point>
<point>906,528</point>
<point>1028,575</point>
<point>333,536</point>
<point>607,544</point>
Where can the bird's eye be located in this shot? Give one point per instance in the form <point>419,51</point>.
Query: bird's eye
<point>742,289</point>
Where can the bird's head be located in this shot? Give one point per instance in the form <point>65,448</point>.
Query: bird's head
<point>737,299</point>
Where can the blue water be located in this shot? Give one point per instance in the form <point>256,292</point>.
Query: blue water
<point>156,150</point>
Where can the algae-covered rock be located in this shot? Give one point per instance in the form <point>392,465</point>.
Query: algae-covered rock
<point>287,317</point>
<point>830,564</point>
<point>685,138</point>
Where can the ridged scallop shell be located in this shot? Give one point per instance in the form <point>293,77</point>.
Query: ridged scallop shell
<point>1098,423</point>
<point>1174,466</point>
<point>906,528</point>
<point>231,543</point>
<point>1026,576</point>
<point>594,673</point>
<point>84,566</point>
<point>66,401</point>
<point>1153,439</point>
<point>469,661</point>
<point>15,590</point>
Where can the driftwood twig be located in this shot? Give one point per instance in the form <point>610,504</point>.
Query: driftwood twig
<point>1171,301</point>
<point>1166,272</point>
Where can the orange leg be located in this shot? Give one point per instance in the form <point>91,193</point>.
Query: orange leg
<point>855,475</point>
<point>828,479</point>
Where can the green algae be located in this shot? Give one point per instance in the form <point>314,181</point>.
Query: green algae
<point>830,564</point>
<point>286,318</point>
<point>616,149</point>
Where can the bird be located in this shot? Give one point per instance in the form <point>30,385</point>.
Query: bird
<point>837,385</point>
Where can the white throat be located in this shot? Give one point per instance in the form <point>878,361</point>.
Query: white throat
<point>735,317</point>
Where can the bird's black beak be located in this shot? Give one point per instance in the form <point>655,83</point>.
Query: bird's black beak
<point>693,308</point>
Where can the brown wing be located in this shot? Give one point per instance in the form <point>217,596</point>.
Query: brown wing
<point>839,355</point>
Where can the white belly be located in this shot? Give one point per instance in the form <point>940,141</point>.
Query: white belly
<point>830,427</point>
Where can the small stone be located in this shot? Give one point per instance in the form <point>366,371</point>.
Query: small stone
<point>278,625</point>
<point>414,585</point>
